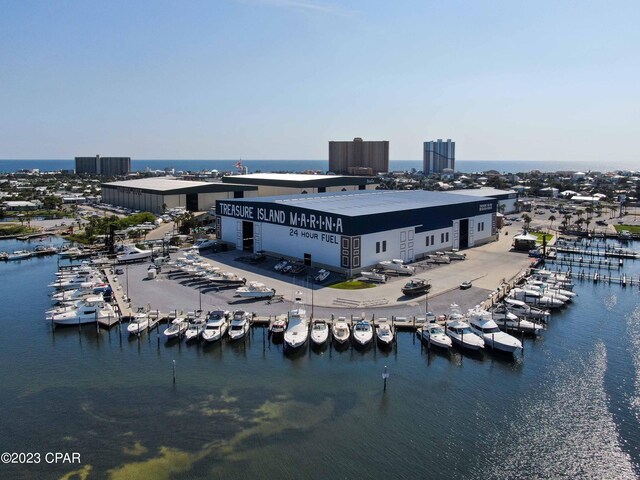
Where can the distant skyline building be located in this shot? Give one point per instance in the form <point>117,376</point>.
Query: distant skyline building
<point>358,157</point>
<point>438,155</point>
<point>108,166</point>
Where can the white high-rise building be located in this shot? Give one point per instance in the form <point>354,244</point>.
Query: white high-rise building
<point>438,155</point>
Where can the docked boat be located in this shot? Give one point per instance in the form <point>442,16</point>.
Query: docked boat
<point>195,330</point>
<point>19,255</point>
<point>340,330</point>
<point>239,325</point>
<point>278,326</point>
<point>71,295</point>
<point>91,310</point>
<point>521,309</point>
<point>298,326</point>
<point>42,250</point>
<point>70,252</point>
<point>177,328</point>
<point>510,321</point>
<point>535,298</point>
<point>138,323</point>
<point>551,289</point>
<point>485,327</point>
<point>319,332</point>
<point>362,333</point>
<point>416,286</point>
<point>460,332</point>
<point>434,334</point>
<point>384,332</point>
<point>131,253</point>
<point>81,281</point>
<point>398,266</point>
<point>255,290</point>
<point>374,276</point>
<point>216,327</point>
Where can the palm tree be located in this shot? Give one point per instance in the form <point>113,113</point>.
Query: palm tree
<point>552,219</point>
<point>579,223</point>
<point>527,220</point>
<point>613,209</point>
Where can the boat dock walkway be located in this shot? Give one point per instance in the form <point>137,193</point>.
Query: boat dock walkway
<point>122,304</point>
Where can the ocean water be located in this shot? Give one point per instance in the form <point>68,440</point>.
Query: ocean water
<point>568,408</point>
<point>466,166</point>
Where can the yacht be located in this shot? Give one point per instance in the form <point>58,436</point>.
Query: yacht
<point>521,309</point>
<point>19,255</point>
<point>536,298</point>
<point>77,281</point>
<point>255,290</point>
<point>551,289</point>
<point>509,321</point>
<point>384,332</point>
<point>363,332</point>
<point>485,327</point>
<point>196,327</point>
<point>434,334</point>
<point>374,276</point>
<point>74,294</point>
<point>239,324</point>
<point>138,324</point>
<point>298,327</point>
<point>91,310</point>
<point>70,252</point>
<point>460,332</point>
<point>204,243</point>
<point>319,332</point>
<point>397,265</point>
<point>226,278</point>
<point>216,327</point>
<point>177,328</point>
<point>131,253</point>
<point>340,330</point>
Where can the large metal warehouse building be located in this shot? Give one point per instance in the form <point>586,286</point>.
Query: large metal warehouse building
<point>349,231</point>
<point>507,199</point>
<point>270,184</point>
<point>152,194</point>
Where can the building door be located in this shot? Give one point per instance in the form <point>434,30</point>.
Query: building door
<point>192,202</point>
<point>247,236</point>
<point>238,234</point>
<point>403,245</point>
<point>455,244</point>
<point>464,234</point>
<point>257,237</point>
<point>410,246</point>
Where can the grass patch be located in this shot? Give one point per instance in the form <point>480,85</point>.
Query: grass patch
<point>541,236</point>
<point>630,228</point>
<point>13,229</point>
<point>352,285</point>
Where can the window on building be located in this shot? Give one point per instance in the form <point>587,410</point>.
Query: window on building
<point>427,241</point>
<point>446,236</point>
<point>377,247</point>
<point>433,242</point>
<point>442,238</point>
<point>384,245</point>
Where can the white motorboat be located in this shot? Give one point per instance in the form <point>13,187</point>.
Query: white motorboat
<point>509,321</point>
<point>255,290</point>
<point>298,325</point>
<point>239,325</point>
<point>204,243</point>
<point>216,327</point>
<point>278,326</point>
<point>397,265</point>
<point>460,332</point>
<point>374,276</point>
<point>78,281</point>
<point>19,255</point>
<point>363,332</point>
<point>319,332</point>
<point>74,294</point>
<point>340,330</point>
<point>384,332</point>
<point>177,328</point>
<point>521,309</point>
<point>225,278</point>
<point>484,326</point>
<point>91,310</point>
<point>535,298</point>
<point>434,334</point>
<point>131,253</point>
<point>322,275</point>
<point>64,307</point>
<point>552,293</point>
<point>138,323</point>
<point>70,252</point>
<point>551,288</point>
<point>196,327</point>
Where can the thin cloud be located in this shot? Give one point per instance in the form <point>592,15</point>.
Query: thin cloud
<point>305,5</point>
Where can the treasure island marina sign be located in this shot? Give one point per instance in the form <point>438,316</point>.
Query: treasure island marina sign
<point>324,222</point>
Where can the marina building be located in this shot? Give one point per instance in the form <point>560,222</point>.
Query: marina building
<point>507,199</point>
<point>438,156</point>
<point>349,231</point>
<point>107,166</point>
<point>359,157</point>
<point>270,184</point>
<point>158,194</point>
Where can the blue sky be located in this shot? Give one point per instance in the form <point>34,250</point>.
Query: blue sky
<point>278,79</point>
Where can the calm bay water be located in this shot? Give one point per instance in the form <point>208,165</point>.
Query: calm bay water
<point>569,407</point>
<point>466,166</point>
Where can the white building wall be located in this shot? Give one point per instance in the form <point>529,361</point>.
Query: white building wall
<point>295,242</point>
<point>510,205</point>
<point>482,232</point>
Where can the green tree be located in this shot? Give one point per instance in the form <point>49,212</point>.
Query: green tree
<point>552,219</point>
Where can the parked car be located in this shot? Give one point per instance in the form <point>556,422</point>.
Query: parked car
<point>601,222</point>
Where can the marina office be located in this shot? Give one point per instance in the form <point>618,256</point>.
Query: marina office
<point>350,231</point>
